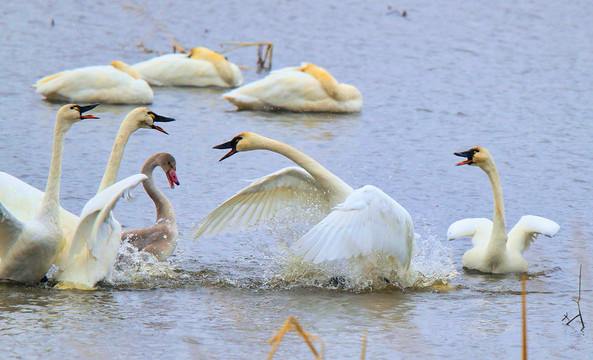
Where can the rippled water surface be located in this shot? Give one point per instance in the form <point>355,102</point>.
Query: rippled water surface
<point>513,77</point>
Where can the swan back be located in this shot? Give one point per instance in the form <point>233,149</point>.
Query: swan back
<point>227,71</point>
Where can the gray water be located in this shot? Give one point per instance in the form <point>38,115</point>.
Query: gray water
<point>515,77</point>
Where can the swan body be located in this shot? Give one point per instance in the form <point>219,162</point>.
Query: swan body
<point>307,88</point>
<point>22,199</point>
<point>358,222</point>
<point>200,68</point>
<point>161,238</point>
<point>116,83</point>
<point>29,245</point>
<point>494,250</point>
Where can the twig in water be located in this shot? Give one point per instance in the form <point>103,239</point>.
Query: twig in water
<point>364,345</point>
<point>524,316</point>
<point>176,46</point>
<point>578,301</point>
<point>263,58</point>
<point>292,324</point>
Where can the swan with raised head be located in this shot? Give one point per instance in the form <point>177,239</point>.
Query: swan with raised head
<point>200,68</point>
<point>307,88</point>
<point>21,198</point>
<point>161,238</point>
<point>358,222</point>
<point>116,83</point>
<point>494,251</point>
<point>28,247</point>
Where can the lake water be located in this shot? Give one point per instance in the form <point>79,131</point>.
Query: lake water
<point>515,77</point>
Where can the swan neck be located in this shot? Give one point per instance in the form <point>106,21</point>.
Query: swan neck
<point>117,153</point>
<point>164,209</point>
<point>498,237</point>
<point>330,182</point>
<point>51,198</point>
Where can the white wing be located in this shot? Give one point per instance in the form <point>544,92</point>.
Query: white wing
<point>368,220</point>
<point>261,200</point>
<point>478,228</point>
<point>527,230</point>
<point>10,230</point>
<point>97,239</point>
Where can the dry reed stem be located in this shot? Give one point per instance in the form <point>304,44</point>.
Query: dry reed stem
<point>364,345</point>
<point>263,58</point>
<point>176,46</point>
<point>292,324</point>
<point>524,316</point>
<point>578,301</point>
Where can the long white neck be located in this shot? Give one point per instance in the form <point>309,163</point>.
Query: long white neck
<point>117,153</point>
<point>498,237</point>
<point>335,186</point>
<point>164,209</point>
<point>51,199</point>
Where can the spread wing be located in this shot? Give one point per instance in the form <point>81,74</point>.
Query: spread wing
<point>527,230</point>
<point>367,221</point>
<point>97,238</point>
<point>287,189</point>
<point>10,230</point>
<point>478,228</point>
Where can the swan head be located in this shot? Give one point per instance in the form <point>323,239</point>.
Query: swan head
<point>167,162</point>
<point>477,156</point>
<point>72,113</point>
<point>143,118</point>
<point>122,66</point>
<point>243,142</point>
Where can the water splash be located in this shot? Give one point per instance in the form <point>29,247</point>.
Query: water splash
<point>139,267</point>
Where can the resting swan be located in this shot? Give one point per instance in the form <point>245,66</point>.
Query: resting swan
<point>22,198</point>
<point>201,67</point>
<point>28,247</point>
<point>358,222</point>
<point>494,251</point>
<point>161,238</point>
<point>116,83</point>
<point>307,88</point>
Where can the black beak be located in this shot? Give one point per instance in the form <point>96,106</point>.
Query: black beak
<point>228,145</point>
<point>469,154</point>
<point>83,109</point>
<point>159,118</point>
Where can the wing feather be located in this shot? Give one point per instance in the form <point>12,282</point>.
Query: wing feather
<point>261,201</point>
<point>478,228</point>
<point>367,221</point>
<point>527,229</point>
<point>10,230</point>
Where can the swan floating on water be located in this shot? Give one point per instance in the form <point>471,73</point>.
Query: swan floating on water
<point>200,68</point>
<point>494,251</point>
<point>29,246</point>
<point>116,83</point>
<point>161,238</point>
<point>21,199</point>
<point>358,222</point>
<point>307,88</point>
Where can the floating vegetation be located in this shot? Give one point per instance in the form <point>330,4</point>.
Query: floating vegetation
<point>264,59</point>
<point>578,301</point>
<point>292,324</point>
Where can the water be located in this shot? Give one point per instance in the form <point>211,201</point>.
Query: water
<point>513,77</point>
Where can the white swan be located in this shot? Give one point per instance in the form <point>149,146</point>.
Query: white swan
<point>201,68</point>
<point>28,247</point>
<point>21,198</point>
<point>307,88</point>
<point>116,83</point>
<point>494,251</point>
<point>161,238</point>
<point>359,221</point>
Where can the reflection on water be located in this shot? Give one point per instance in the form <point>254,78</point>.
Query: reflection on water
<point>513,77</point>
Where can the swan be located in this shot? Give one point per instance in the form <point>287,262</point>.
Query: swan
<point>28,247</point>
<point>307,88</point>
<point>161,238</point>
<point>201,67</point>
<point>116,83</point>
<point>494,251</point>
<point>358,222</point>
<point>21,198</point>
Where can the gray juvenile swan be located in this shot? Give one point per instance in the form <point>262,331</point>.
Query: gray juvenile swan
<point>161,238</point>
